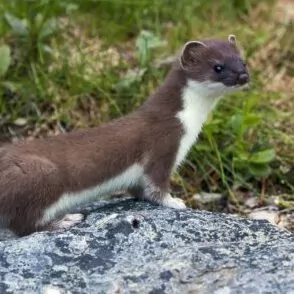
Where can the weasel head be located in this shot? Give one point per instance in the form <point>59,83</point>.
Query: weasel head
<point>214,67</point>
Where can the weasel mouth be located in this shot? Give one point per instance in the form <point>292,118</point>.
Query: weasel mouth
<point>241,86</point>
<point>244,87</point>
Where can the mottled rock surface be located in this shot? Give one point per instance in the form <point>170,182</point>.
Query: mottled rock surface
<point>134,247</point>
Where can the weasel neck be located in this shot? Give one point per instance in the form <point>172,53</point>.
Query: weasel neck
<point>166,100</point>
<point>185,101</point>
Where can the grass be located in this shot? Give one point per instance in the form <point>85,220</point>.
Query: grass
<point>75,64</point>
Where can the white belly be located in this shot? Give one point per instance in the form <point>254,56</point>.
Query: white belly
<point>67,201</point>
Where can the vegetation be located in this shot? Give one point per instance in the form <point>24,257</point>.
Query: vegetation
<point>68,64</point>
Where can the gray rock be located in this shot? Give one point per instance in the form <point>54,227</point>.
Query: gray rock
<point>134,247</point>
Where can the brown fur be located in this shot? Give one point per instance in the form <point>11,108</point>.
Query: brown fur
<point>35,174</point>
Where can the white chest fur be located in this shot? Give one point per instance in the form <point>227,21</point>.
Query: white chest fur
<point>198,101</point>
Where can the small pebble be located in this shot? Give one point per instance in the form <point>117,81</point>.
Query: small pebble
<point>20,122</point>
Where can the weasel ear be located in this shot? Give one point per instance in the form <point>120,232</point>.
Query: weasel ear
<point>232,40</point>
<point>189,51</point>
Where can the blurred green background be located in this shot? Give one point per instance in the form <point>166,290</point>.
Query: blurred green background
<point>72,64</point>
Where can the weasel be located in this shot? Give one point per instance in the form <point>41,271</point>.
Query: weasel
<point>41,180</point>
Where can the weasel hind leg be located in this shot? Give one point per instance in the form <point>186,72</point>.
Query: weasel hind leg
<point>65,222</point>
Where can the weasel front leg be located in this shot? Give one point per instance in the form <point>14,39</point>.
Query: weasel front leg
<point>157,181</point>
<point>156,191</point>
<point>173,202</point>
<point>160,196</point>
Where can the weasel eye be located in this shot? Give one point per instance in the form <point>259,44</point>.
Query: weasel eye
<point>219,68</point>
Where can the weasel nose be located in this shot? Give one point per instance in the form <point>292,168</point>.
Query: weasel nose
<point>243,78</point>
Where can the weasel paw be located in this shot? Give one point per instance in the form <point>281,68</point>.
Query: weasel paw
<point>67,221</point>
<point>175,203</point>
